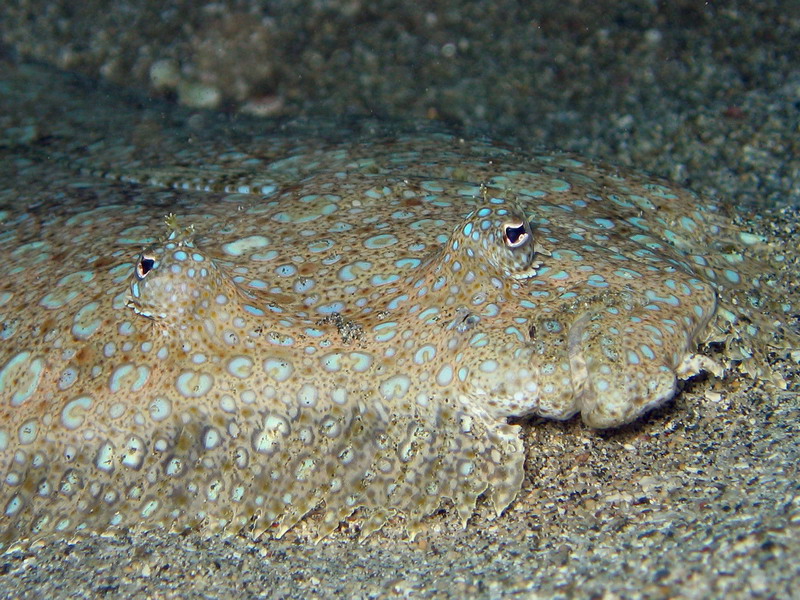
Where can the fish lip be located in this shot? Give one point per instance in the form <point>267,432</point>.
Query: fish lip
<point>579,373</point>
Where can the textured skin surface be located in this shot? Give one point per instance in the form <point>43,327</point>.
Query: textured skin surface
<point>335,326</point>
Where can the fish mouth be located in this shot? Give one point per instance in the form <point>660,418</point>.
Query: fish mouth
<point>607,406</point>
<point>606,391</point>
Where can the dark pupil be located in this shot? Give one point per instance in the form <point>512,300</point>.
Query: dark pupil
<point>513,234</point>
<point>147,265</point>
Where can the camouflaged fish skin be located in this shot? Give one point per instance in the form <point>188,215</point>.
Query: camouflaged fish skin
<point>238,338</point>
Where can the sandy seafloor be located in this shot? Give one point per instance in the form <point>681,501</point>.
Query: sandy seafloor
<point>700,499</point>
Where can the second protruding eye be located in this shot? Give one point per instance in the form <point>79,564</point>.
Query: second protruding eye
<point>145,265</point>
<point>515,235</point>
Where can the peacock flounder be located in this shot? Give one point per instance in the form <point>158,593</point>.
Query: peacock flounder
<point>339,328</point>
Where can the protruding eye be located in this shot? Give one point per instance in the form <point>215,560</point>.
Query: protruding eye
<point>515,235</point>
<point>145,265</point>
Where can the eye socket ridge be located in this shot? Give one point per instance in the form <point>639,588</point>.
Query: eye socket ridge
<point>515,235</point>
<point>144,266</point>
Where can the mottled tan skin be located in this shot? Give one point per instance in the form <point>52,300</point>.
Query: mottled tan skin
<point>229,399</point>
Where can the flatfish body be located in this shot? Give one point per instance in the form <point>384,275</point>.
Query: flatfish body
<point>231,332</point>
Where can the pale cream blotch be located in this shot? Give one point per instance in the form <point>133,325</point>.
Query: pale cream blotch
<point>351,332</point>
